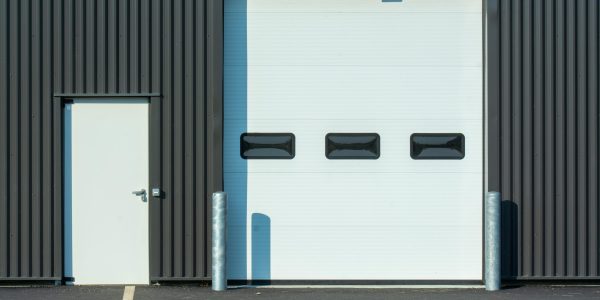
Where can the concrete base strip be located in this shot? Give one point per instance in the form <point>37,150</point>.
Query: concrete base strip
<point>128,292</point>
<point>361,286</point>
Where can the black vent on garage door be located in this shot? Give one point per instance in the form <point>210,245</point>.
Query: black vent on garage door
<point>352,146</point>
<point>437,146</point>
<point>267,145</point>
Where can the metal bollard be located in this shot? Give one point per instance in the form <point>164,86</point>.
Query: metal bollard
<point>492,241</point>
<point>219,235</point>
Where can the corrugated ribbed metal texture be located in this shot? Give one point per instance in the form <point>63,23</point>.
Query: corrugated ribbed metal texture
<point>30,224</point>
<point>123,47</point>
<point>543,109</point>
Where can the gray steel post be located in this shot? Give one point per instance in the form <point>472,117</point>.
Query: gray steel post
<point>219,235</point>
<point>492,241</point>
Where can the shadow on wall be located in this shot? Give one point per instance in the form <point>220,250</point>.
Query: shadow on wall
<point>235,91</point>
<point>67,192</point>
<point>509,247</point>
<point>261,247</point>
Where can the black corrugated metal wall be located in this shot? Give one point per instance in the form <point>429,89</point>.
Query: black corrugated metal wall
<point>121,47</point>
<point>543,79</point>
<point>543,64</point>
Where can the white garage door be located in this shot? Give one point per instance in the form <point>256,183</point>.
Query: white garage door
<point>391,68</point>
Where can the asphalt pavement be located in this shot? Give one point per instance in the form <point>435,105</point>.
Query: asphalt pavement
<point>313,293</point>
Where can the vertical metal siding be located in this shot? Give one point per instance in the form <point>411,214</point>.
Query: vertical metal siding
<point>59,47</point>
<point>543,135</point>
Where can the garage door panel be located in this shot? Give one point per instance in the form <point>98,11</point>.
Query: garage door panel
<point>395,146</point>
<point>324,39</point>
<point>349,92</point>
<point>325,224</point>
<point>331,198</point>
<point>283,6</point>
<point>351,254</point>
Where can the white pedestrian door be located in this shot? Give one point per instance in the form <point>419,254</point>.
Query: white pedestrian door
<point>106,174</point>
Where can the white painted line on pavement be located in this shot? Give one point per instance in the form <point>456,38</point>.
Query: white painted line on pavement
<point>128,292</point>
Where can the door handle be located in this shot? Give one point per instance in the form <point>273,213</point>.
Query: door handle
<point>142,193</point>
